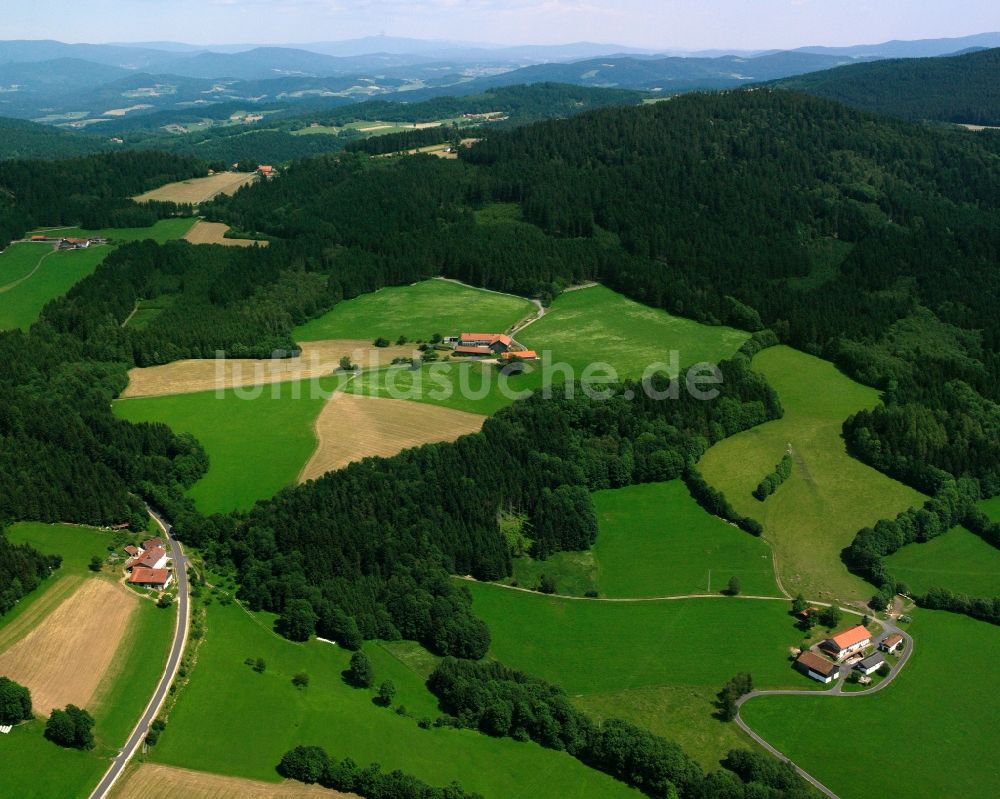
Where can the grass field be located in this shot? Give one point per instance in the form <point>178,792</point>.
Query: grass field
<point>958,560</point>
<point>275,716</point>
<point>162,231</point>
<point>655,540</point>
<point>256,446</point>
<point>215,233</point>
<point>417,312</point>
<point>350,428</point>
<point>925,735</point>
<point>199,190</point>
<point>991,507</point>
<point>829,497</point>
<point>598,325</point>
<point>22,299</point>
<point>657,663</point>
<point>118,698</point>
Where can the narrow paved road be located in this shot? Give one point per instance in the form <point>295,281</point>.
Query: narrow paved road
<point>173,661</point>
<point>889,627</point>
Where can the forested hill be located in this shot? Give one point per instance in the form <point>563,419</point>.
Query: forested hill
<point>962,88</point>
<point>22,139</point>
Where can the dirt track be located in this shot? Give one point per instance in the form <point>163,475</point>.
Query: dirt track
<point>350,428</point>
<point>65,657</point>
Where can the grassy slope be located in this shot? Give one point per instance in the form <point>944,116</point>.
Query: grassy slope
<point>958,560</point>
<point>926,734</point>
<point>658,664</point>
<point>256,446</point>
<point>20,305</point>
<point>273,716</point>
<point>655,540</point>
<point>418,311</point>
<point>598,325</point>
<point>123,695</point>
<point>830,496</point>
<point>162,231</point>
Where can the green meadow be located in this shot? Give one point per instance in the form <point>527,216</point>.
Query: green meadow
<point>22,299</point>
<point>829,497</point>
<point>655,540</point>
<point>257,440</point>
<point>160,231</point>
<point>417,312</point>
<point>273,716</point>
<point>657,663</point>
<point>958,560</point>
<point>598,325</point>
<point>121,698</point>
<point>923,737</point>
<point>991,507</point>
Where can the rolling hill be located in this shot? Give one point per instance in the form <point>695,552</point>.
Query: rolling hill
<point>22,139</point>
<point>960,88</point>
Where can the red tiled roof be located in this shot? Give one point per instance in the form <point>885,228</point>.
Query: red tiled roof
<point>503,339</point>
<point>849,638</point>
<point>151,557</point>
<point>892,640</point>
<point>527,355</point>
<point>131,550</point>
<point>473,351</point>
<point>152,542</point>
<point>818,664</point>
<point>150,576</point>
<point>479,336</point>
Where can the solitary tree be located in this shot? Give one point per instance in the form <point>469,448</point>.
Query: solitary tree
<point>345,364</point>
<point>733,588</point>
<point>96,562</point>
<point>386,693</point>
<point>259,665</point>
<point>799,604</point>
<point>830,617</point>
<point>381,342</point>
<point>301,680</point>
<point>304,763</point>
<point>361,674</point>
<point>547,584</point>
<point>15,702</point>
<point>739,686</point>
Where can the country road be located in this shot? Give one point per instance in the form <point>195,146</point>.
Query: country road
<point>170,670</point>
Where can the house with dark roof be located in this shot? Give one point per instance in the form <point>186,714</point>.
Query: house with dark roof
<point>817,667</point>
<point>871,664</point>
<point>848,642</point>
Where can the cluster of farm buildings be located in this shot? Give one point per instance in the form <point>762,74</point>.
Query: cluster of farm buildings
<point>490,345</point>
<point>855,648</point>
<point>69,242</point>
<point>147,565</point>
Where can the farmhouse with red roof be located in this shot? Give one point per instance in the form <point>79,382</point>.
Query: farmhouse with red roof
<point>848,642</point>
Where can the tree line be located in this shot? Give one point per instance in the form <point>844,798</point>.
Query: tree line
<point>22,569</point>
<point>774,479</point>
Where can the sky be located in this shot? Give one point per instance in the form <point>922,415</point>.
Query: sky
<point>654,24</point>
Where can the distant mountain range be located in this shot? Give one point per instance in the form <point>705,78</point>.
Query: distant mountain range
<point>962,89</point>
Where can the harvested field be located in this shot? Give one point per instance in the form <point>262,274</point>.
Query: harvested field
<point>318,358</point>
<point>64,658</point>
<point>351,428</point>
<point>215,233</point>
<point>153,781</point>
<point>199,190</point>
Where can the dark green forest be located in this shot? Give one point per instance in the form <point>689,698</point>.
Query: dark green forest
<point>961,89</point>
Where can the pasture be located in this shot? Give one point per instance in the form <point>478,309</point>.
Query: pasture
<point>829,496</point>
<point>344,720</point>
<point>417,312</point>
<point>598,325</point>
<point>153,781</point>
<point>215,233</point>
<point>52,275</point>
<point>162,231</point>
<point>655,540</point>
<point>257,439</point>
<point>350,428</point>
<point>656,663</point>
<point>958,560</point>
<point>934,720</point>
<point>199,190</point>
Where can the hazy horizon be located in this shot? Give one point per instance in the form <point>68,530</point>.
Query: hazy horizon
<point>663,25</point>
